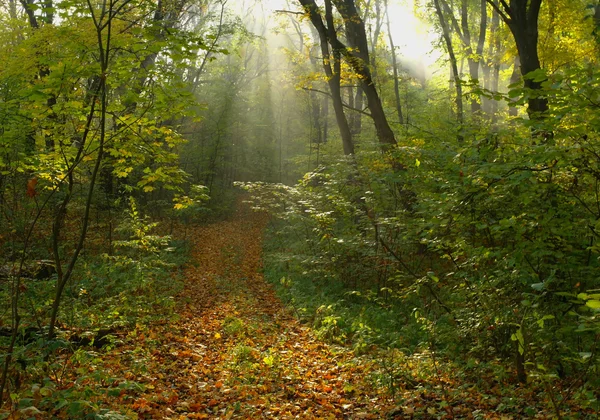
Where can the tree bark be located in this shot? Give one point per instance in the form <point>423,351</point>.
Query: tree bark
<point>521,16</point>
<point>325,34</point>
<point>394,67</point>
<point>358,58</point>
<point>473,55</point>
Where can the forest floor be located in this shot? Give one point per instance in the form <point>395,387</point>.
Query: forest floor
<point>233,350</point>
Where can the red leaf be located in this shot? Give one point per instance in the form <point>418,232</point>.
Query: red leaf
<point>31,192</point>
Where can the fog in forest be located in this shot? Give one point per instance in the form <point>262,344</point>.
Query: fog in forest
<point>275,60</point>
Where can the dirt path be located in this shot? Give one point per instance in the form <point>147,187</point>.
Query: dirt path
<point>234,351</point>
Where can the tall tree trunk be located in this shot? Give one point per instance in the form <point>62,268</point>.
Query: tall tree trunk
<point>521,16</point>
<point>374,37</point>
<point>495,44</point>
<point>454,67</point>
<point>394,66</point>
<point>514,79</point>
<point>474,67</point>
<point>463,30</point>
<point>326,33</point>
<point>358,57</point>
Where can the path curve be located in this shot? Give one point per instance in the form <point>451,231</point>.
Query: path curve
<point>235,352</point>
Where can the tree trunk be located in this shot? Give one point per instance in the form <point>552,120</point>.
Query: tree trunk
<point>473,54</point>
<point>474,68</point>
<point>521,16</point>
<point>514,79</point>
<point>454,66</point>
<point>358,58</point>
<point>394,67</point>
<point>495,77</point>
<point>375,37</point>
<point>327,35</point>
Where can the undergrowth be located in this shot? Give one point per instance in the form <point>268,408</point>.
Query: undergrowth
<point>109,295</point>
<point>417,355</point>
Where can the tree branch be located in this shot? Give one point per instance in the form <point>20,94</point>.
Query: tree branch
<point>345,105</point>
<point>455,24</point>
<point>506,17</point>
<point>291,12</point>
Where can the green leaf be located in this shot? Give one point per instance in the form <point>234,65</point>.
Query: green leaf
<point>540,322</point>
<point>518,337</point>
<point>592,303</point>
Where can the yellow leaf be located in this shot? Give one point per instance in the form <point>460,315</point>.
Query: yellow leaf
<point>217,336</point>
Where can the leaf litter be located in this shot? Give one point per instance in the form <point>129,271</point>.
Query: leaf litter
<point>232,350</point>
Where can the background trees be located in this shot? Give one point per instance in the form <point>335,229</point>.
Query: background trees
<point>480,237</point>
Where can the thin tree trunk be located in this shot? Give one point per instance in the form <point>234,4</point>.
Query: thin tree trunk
<point>375,37</point>
<point>475,104</point>
<point>326,35</point>
<point>454,67</point>
<point>473,55</point>
<point>104,48</point>
<point>358,58</point>
<point>495,45</point>
<point>394,66</point>
<point>514,79</point>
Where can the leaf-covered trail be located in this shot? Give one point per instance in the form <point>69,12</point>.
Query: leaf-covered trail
<point>234,352</point>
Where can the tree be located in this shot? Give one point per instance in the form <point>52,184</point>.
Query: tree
<point>85,59</point>
<point>521,16</point>
<point>454,67</point>
<point>473,53</point>
<point>394,66</point>
<point>356,54</point>
<point>328,36</point>
<point>358,57</point>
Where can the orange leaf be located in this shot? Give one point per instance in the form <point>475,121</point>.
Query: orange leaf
<point>31,192</point>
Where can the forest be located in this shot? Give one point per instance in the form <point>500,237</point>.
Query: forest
<point>353,209</point>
